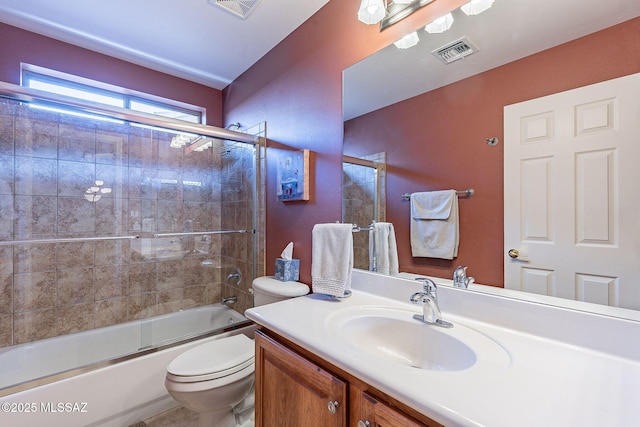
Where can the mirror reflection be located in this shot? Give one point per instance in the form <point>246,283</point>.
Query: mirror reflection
<point>363,201</point>
<point>434,120</point>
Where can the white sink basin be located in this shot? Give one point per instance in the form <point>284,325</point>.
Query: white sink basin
<point>393,335</point>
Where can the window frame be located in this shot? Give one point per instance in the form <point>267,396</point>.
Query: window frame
<point>33,72</point>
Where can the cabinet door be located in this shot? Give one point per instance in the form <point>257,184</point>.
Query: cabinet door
<point>378,414</point>
<point>291,391</point>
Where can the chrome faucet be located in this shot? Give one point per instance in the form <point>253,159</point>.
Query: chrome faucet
<point>460,279</point>
<point>431,313</point>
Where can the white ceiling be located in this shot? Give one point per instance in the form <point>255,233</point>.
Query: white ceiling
<point>191,39</point>
<point>510,30</point>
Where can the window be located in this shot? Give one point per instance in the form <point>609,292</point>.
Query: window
<point>90,90</point>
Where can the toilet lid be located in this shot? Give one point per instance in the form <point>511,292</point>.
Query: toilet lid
<point>214,359</point>
<point>271,286</point>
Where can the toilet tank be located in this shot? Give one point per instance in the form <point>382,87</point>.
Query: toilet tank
<point>267,290</point>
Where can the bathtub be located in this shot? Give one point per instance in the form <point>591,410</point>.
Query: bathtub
<point>112,376</point>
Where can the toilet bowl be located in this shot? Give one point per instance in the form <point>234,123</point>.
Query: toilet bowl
<point>215,379</point>
<point>212,378</point>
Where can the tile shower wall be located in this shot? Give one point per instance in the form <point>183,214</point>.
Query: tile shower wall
<point>363,201</point>
<point>358,198</point>
<point>67,177</point>
<point>239,176</point>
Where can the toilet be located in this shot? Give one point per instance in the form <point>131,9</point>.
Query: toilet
<point>215,379</point>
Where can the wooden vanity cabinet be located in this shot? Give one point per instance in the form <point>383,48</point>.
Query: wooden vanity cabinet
<point>376,413</point>
<point>296,388</point>
<point>292,391</point>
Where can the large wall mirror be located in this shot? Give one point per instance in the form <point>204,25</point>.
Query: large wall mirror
<point>433,119</point>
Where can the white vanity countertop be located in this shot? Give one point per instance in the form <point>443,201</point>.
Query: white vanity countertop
<point>549,379</point>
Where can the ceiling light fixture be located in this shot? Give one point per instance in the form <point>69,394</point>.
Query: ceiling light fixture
<point>475,7</point>
<point>440,25</point>
<point>407,41</point>
<point>371,11</point>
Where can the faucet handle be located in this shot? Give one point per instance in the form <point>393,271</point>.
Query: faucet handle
<point>460,279</point>
<point>428,285</point>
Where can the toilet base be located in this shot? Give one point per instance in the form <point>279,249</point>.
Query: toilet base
<point>215,406</point>
<point>217,419</point>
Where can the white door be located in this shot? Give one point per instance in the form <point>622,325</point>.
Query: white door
<point>572,194</point>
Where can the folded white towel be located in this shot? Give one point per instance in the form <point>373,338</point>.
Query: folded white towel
<point>383,250</point>
<point>434,224</point>
<point>331,258</point>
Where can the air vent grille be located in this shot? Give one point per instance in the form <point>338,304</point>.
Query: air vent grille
<point>455,50</point>
<point>241,8</point>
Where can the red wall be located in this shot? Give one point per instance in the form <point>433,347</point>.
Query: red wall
<point>17,45</point>
<point>297,89</point>
<point>440,140</point>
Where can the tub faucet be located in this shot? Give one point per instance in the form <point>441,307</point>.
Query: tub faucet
<point>431,313</point>
<point>228,301</point>
<point>460,279</point>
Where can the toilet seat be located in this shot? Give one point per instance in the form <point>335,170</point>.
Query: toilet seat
<point>213,360</point>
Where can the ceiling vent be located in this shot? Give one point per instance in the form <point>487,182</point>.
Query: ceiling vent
<point>241,8</point>
<point>455,50</point>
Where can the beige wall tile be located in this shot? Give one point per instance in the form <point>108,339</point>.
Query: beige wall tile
<point>34,291</point>
<point>170,275</point>
<point>34,257</point>
<point>75,318</point>
<point>75,215</point>
<point>35,216</point>
<point>142,278</point>
<point>75,286</point>
<point>76,142</point>
<point>34,325</point>
<point>6,331</point>
<point>36,138</point>
<point>111,281</point>
<point>110,312</point>
<point>75,254</point>
<point>194,296</point>
<point>141,306</point>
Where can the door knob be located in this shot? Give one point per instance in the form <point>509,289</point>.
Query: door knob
<point>515,255</point>
<point>332,406</point>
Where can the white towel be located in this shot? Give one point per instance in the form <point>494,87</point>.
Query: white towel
<point>383,251</point>
<point>331,258</point>
<point>434,224</point>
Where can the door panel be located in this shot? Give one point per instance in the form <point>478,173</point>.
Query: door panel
<point>570,199</point>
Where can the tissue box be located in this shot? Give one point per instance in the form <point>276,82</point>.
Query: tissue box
<point>287,270</point>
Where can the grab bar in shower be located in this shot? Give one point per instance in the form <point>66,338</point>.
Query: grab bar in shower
<point>65,240</point>
<point>199,233</point>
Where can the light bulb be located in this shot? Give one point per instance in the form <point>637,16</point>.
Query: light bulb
<point>407,41</point>
<point>475,7</point>
<point>371,11</point>
<point>440,25</point>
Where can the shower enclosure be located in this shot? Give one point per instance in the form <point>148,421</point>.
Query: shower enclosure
<point>363,199</point>
<point>108,216</point>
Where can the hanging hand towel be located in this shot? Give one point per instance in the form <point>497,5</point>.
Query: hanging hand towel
<point>383,251</point>
<point>331,258</point>
<point>434,224</point>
